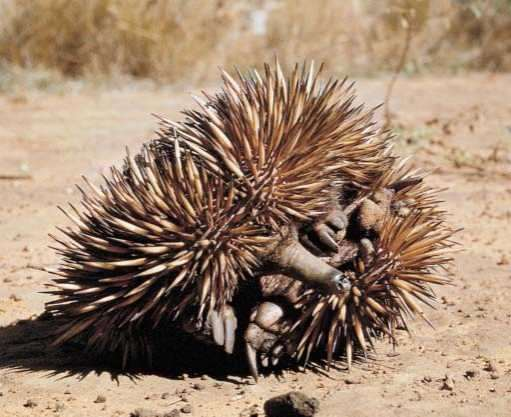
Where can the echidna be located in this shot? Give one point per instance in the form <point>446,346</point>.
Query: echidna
<point>393,247</point>
<point>217,198</point>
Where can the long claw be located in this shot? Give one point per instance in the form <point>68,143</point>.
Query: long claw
<point>265,362</point>
<point>367,250</point>
<point>310,245</point>
<point>252,360</point>
<point>337,220</point>
<point>231,323</point>
<point>325,237</point>
<point>217,327</point>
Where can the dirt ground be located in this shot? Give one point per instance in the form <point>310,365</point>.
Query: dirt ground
<point>459,128</point>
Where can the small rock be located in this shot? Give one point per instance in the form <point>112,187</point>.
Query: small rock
<point>252,411</point>
<point>471,373</point>
<point>448,383</point>
<point>494,375</point>
<point>100,399</point>
<point>351,381</point>
<point>491,366</point>
<point>15,298</point>
<point>427,379</point>
<point>144,412</point>
<point>165,395</point>
<point>504,260</point>
<point>292,404</point>
<point>173,413</point>
<point>186,409</point>
<point>198,387</point>
<point>59,407</point>
<point>7,280</point>
<point>30,404</point>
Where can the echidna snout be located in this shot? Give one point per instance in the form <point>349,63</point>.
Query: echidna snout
<point>343,282</point>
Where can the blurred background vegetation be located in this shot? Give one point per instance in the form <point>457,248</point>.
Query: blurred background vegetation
<point>185,40</point>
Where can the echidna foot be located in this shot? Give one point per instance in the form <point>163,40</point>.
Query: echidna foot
<point>219,328</point>
<point>267,323</point>
<point>324,233</point>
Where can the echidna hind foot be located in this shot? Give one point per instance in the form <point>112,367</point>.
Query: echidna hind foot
<point>396,244</point>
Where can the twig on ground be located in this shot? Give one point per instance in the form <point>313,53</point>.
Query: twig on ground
<point>408,25</point>
<point>13,177</point>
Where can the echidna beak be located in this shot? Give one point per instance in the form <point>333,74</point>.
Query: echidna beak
<point>342,283</point>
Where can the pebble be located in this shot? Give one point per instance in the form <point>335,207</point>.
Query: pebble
<point>351,381</point>
<point>165,395</point>
<point>144,412</point>
<point>30,404</point>
<point>494,375</point>
<point>491,366</point>
<point>295,404</point>
<point>173,413</point>
<point>198,387</point>
<point>252,411</point>
<point>186,409</point>
<point>471,373</point>
<point>448,383</point>
<point>14,297</point>
<point>100,399</point>
<point>59,407</point>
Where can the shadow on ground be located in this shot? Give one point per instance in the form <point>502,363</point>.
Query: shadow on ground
<point>25,346</point>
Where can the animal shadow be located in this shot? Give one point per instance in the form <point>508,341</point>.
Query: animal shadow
<point>25,346</point>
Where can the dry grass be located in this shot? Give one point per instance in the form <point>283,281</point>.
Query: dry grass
<point>171,40</point>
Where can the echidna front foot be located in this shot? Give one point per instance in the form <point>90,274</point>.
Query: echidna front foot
<point>219,328</point>
<point>324,234</point>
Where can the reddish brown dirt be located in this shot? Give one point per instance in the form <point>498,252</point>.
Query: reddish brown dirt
<point>459,128</point>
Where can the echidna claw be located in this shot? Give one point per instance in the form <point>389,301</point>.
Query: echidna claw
<point>326,236</point>
<point>337,221</point>
<point>217,327</point>
<point>231,323</point>
<point>223,325</point>
<point>252,360</point>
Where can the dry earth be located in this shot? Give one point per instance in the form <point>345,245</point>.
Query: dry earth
<point>459,128</point>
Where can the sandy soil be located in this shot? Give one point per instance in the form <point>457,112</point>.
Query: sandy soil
<point>459,128</point>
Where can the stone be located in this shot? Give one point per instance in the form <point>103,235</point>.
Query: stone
<point>292,404</point>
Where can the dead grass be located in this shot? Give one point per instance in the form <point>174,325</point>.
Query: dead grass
<point>171,40</point>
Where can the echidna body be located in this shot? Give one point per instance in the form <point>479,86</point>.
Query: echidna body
<point>204,205</point>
